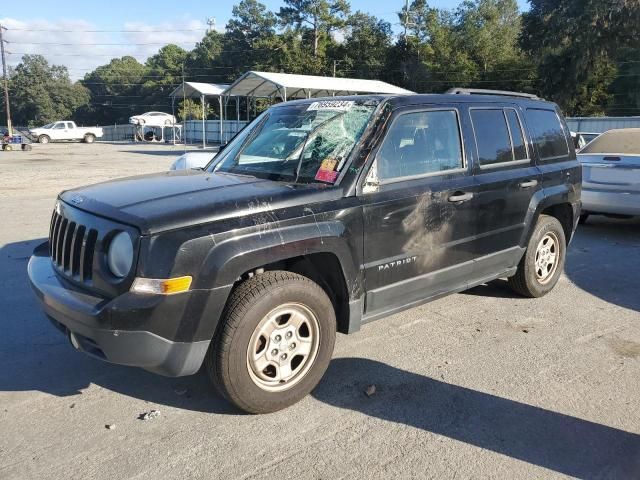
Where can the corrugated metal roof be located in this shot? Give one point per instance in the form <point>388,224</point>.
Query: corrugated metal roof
<point>197,89</point>
<point>267,84</point>
<point>601,124</point>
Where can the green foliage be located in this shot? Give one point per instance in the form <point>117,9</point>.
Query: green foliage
<point>192,110</point>
<point>583,54</point>
<point>579,45</point>
<point>41,93</point>
<point>314,20</point>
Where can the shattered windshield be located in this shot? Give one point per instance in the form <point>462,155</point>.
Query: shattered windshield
<point>308,142</point>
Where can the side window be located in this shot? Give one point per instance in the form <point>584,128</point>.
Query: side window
<point>492,136</point>
<point>69,125</point>
<point>517,138</point>
<point>420,143</point>
<point>548,134</point>
<point>59,126</point>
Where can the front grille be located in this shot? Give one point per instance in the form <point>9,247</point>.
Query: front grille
<point>72,247</point>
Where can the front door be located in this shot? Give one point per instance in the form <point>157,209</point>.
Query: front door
<point>419,212</point>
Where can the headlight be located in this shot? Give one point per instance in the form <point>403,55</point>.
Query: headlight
<point>120,255</point>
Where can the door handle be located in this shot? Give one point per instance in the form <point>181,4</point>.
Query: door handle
<point>529,184</point>
<point>460,197</point>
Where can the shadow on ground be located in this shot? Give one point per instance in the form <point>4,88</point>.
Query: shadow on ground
<point>603,260</point>
<point>562,443</point>
<point>36,357</point>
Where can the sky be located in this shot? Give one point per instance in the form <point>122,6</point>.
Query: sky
<point>83,34</point>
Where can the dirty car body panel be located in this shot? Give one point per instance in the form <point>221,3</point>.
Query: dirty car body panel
<point>391,243</point>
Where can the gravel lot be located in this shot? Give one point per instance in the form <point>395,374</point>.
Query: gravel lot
<point>482,384</point>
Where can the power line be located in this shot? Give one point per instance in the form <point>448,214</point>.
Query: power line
<point>202,29</point>
<point>102,44</point>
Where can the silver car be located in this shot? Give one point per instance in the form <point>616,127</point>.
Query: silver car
<point>611,174</point>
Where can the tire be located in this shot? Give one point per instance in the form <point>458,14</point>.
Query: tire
<point>583,218</point>
<point>534,278</point>
<point>89,138</point>
<point>7,147</point>
<point>260,319</point>
<point>168,123</point>
<point>44,139</point>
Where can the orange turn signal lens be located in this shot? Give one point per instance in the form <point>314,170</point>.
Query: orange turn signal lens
<point>167,286</point>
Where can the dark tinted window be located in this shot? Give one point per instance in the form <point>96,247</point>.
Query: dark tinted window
<point>547,133</point>
<point>492,136</point>
<point>419,143</point>
<point>519,148</point>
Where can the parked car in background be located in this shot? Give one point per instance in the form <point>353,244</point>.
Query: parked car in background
<point>65,130</point>
<point>153,119</point>
<point>320,216</point>
<point>195,159</point>
<point>582,139</point>
<point>611,174</point>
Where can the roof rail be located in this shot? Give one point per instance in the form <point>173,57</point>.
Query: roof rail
<point>480,91</point>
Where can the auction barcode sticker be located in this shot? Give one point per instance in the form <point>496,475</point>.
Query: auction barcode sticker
<point>331,105</point>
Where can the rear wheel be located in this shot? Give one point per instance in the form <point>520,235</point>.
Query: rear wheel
<point>275,342</point>
<point>543,261</point>
<point>89,138</point>
<point>44,139</point>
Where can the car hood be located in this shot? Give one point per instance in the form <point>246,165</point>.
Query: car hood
<point>171,200</point>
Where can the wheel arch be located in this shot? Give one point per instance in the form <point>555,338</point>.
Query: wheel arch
<point>559,202</point>
<point>318,251</point>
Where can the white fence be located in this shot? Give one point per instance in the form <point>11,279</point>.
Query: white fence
<point>191,132</point>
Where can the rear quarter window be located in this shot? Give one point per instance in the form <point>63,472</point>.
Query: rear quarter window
<point>548,134</point>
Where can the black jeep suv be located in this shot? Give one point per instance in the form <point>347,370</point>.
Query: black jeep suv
<point>320,216</point>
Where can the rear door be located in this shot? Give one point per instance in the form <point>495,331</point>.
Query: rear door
<point>508,179</point>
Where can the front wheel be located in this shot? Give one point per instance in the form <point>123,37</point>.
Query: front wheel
<point>44,139</point>
<point>543,261</point>
<point>275,342</point>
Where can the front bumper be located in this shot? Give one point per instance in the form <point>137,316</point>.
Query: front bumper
<point>98,326</point>
<point>610,202</point>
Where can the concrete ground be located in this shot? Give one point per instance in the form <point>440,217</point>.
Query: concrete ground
<point>483,384</point>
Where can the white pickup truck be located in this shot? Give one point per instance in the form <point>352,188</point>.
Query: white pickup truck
<point>65,131</point>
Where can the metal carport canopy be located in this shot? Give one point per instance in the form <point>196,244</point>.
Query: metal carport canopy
<point>198,89</point>
<point>289,87</point>
<point>202,91</point>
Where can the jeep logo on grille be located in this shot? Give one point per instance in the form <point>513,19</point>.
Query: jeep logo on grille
<point>76,199</point>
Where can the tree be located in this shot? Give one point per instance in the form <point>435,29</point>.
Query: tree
<point>164,72</point>
<point>365,46</point>
<point>203,62</point>
<point>249,39</point>
<point>578,42</point>
<point>192,110</point>
<point>315,17</point>
<point>115,91</point>
<point>41,93</point>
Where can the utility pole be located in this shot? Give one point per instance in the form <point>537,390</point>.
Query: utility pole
<point>6,83</point>
<point>211,22</point>
<point>406,17</point>
<point>335,66</point>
